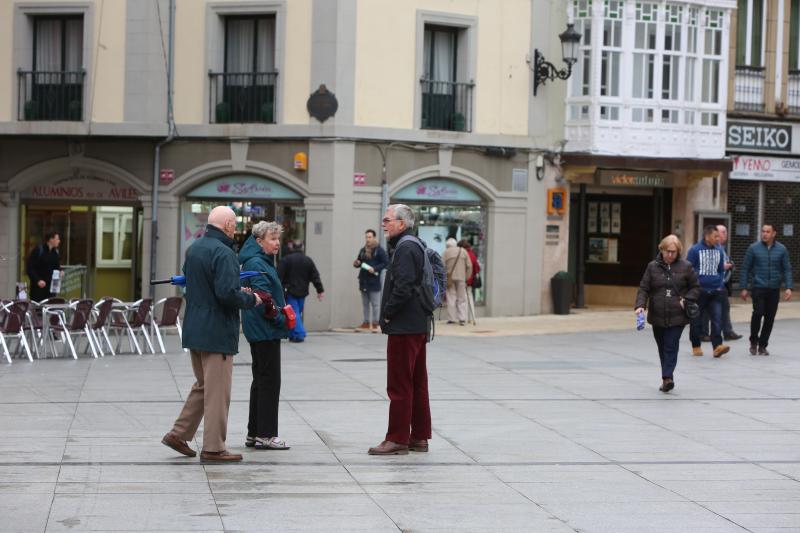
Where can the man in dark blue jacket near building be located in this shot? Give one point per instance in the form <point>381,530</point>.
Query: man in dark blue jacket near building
<point>766,266</point>
<point>708,261</point>
<point>211,333</point>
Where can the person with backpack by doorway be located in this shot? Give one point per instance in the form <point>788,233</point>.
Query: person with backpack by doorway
<point>406,316</point>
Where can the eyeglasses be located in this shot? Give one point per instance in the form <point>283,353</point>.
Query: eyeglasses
<point>670,251</point>
<point>387,220</point>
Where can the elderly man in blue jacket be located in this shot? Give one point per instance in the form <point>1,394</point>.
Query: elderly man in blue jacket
<point>766,266</point>
<point>211,333</point>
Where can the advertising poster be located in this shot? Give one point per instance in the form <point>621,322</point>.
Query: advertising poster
<point>616,218</point>
<point>592,217</point>
<point>605,217</point>
<point>598,250</point>
<point>613,256</point>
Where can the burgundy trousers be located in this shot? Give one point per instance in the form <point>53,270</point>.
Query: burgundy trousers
<point>407,387</point>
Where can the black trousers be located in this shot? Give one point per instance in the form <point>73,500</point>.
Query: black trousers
<point>265,391</point>
<point>765,305</point>
<point>668,340</point>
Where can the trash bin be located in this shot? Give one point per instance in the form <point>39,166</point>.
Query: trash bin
<point>561,289</point>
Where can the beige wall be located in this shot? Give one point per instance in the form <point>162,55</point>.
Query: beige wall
<point>387,76</point>
<point>191,73</point>
<point>191,63</point>
<point>6,59</point>
<point>106,97</point>
<point>297,66</point>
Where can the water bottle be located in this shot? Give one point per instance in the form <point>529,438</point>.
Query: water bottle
<point>639,321</point>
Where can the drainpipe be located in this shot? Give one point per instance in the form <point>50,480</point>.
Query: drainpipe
<point>157,156</point>
<point>384,193</point>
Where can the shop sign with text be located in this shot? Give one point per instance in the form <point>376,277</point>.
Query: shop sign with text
<point>83,188</point>
<point>762,137</point>
<point>748,167</point>
<point>244,188</point>
<point>625,178</point>
<point>437,190</point>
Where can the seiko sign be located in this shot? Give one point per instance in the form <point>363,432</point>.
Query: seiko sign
<point>760,137</point>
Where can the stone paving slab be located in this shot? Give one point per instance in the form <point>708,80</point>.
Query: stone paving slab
<point>537,431</point>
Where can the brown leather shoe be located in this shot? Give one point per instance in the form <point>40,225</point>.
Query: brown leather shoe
<point>388,447</point>
<point>180,446</point>
<point>420,445</point>
<point>721,350</point>
<point>220,457</point>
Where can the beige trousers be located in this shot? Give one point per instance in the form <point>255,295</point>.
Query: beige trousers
<point>210,397</point>
<point>457,301</point>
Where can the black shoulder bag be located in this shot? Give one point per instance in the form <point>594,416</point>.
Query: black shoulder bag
<point>690,307</point>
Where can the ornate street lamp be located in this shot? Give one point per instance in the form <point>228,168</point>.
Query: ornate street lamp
<point>544,70</point>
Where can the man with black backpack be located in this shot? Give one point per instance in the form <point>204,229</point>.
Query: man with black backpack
<point>406,317</point>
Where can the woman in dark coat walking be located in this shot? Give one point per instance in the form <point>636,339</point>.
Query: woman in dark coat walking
<point>668,280</point>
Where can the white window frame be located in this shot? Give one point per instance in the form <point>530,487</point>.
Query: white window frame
<point>579,104</point>
<point>466,60</point>
<point>119,216</point>
<point>24,15</point>
<point>216,12</point>
<point>748,50</point>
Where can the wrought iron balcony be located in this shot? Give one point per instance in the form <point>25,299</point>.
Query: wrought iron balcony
<point>242,97</point>
<point>793,93</point>
<point>447,105</point>
<point>50,95</point>
<point>748,89</point>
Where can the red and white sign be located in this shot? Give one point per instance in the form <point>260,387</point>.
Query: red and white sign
<point>359,178</point>
<point>166,176</point>
<point>83,188</point>
<point>754,168</point>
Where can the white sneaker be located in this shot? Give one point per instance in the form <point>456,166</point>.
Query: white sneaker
<point>272,443</point>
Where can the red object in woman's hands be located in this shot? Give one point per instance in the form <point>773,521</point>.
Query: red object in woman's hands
<point>291,317</point>
<point>270,311</point>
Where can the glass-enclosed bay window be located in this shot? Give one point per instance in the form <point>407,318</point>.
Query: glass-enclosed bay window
<point>654,62</point>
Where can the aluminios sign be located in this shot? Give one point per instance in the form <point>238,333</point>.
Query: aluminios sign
<point>760,137</point>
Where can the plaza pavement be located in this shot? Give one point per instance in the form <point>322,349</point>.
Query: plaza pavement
<point>561,430</point>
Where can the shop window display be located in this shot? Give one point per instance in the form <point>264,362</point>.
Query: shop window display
<point>437,223</point>
<point>289,214</point>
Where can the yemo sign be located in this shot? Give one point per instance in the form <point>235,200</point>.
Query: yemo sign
<point>759,137</point>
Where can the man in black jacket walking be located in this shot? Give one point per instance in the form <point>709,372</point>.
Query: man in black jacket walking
<point>42,262</point>
<point>296,271</point>
<point>405,321</point>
